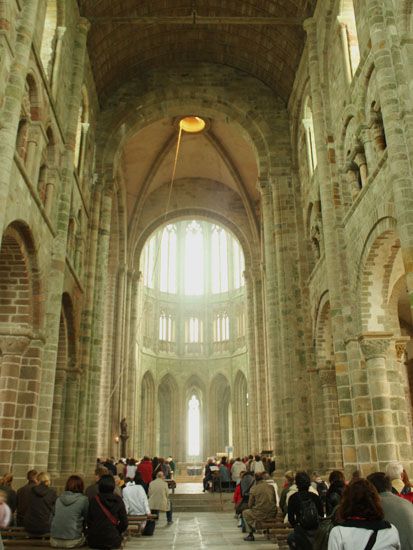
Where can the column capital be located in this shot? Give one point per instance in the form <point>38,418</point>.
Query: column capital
<point>309,24</point>
<point>400,344</point>
<point>84,25</point>
<point>375,344</point>
<point>14,344</point>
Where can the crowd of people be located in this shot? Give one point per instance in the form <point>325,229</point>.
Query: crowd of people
<point>358,514</point>
<point>334,514</point>
<point>96,515</point>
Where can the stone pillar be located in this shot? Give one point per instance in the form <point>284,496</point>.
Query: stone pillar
<point>377,436</point>
<point>132,327</point>
<point>12,349</point>
<point>71,417</point>
<point>335,260</point>
<point>391,86</point>
<point>334,459</point>
<point>253,412</point>
<point>13,96</point>
<point>58,428</point>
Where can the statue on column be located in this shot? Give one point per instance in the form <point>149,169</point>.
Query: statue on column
<point>124,436</point>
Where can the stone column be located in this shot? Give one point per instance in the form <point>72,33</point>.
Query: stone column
<point>12,349</point>
<point>253,412</point>
<point>58,428</point>
<point>378,435</point>
<point>334,459</point>
<point>396,113</point>
<point>13,96</point>
<point>267,370</point>
<point>132,328</point>
<point>71,418</point>
<point>335,259</point>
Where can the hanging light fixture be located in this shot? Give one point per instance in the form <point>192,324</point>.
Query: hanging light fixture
<point>192,124</point>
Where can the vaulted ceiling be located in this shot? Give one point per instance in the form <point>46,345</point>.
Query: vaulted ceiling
<point>131,36</point>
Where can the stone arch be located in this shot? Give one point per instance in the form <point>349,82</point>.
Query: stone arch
<point>374,272</point>
<point>168,416</point>
<point>148,415</point>
<point>324,346</point>
<point>220,426</point>
<point>21,320</point>
<point>240,415</point>
<point>195,386</point>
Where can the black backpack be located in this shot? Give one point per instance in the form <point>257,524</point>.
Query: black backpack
<point>307,515</point>
<point>322,490</point>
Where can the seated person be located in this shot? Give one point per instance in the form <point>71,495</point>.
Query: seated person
<point>261,505</point>
<point>107,519</point>
<point>69,519</point>
<point>305,510</point>
<point>40,508</point>
<point>134,497</point>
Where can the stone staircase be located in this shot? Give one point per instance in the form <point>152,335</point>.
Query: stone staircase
<point>201,502</point>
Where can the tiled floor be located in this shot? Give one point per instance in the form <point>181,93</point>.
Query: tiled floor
<point>199,530</point>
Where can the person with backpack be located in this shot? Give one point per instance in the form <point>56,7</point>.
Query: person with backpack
<point>305,511</point>
<point>361,521</point>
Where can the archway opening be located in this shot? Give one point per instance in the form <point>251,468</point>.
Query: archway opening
<point>194,427</point>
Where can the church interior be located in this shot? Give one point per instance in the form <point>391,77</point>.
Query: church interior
<point>206,217</point>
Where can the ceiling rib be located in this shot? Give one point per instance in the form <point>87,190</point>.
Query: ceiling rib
<point>195,19</point>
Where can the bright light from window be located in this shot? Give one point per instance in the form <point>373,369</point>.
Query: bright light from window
<point>194,260</point>
<point>194,330</point>
<point>219,260</point>
<point>239,265</point>
<point>193,427</point>
<point>168,260</point>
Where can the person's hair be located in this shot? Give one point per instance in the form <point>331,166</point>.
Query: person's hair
<point>355,476</point>
<point>160,474</point>
<point>75,484</point>
<point>224,460</point>
<point>336,475</point>
<point>406,479</point>
<point>238,459</point>
<point>259,476</point>
<point>146,458</point>
<point>394,470</point>
<point>381,482</point>
<point>266,475</point>
<point>303,481</point>
<point>250,457</point>
<point>360,499</point>
<point>289,476</point>
<point>106,484</point>
<point>43,477</point>
<point>101,471</point>
<point>257,458</point>
<point>6,479</point>
<point>315,474</point>
<point>138,478</point>
<point>31,475</point>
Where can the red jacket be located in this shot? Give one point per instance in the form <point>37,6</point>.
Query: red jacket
<point>145,469</point>
<point>237,497</point>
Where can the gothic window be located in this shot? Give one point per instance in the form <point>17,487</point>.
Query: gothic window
<point>194,331</point>
<point>194,426</point>
<point>221,327</point>
<point>239,265</point>
<point>349,39</point>
<point>309,136</point>
<point>81,131</point>
<point>194,259</point>
<point>219,260</point>
<point>165,327</point>
<point>168,260</point>
<point>47,51</point>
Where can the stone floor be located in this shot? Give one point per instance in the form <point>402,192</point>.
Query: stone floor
<point>199,530</point>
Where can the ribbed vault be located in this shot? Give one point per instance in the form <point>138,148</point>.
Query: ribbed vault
<point>269,52</point>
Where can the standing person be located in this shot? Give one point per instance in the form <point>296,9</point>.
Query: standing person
<point>130,468</point>
<point>159,497</point>
<point>38,517</point>
<point>155,467</point>
<point>289,482</point>
<point>145,469</point>
<point>261,505</point>
<point>335,491</point>
<point>172,464</point>
<point>70,514</point>
<point>208,474</point>
<point>107,519</point>
<point>11,495</point>
<point>23,495</point>
<point>257,465</point>
<point>305,511</point>
<point>361,521</point>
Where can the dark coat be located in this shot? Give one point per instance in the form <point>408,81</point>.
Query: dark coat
<point>333,496</point>
<point>38,517</point>
<point>11,497</point>
<point>101,532</point>
<point>23,497</point>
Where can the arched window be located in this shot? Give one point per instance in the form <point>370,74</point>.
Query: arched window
<point>219,260</point>
<point>194,259</point>
<point>168,260</point>
<point>194,332</point>
<point>47,50</point>
<point>165,327</point>
<point>221,328</point>
<point>239,265</point>
<point>194,426</point>
<point>349,39</point>
<point>309,136</point>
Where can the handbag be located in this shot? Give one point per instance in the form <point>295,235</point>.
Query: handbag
<point>114,521</point>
